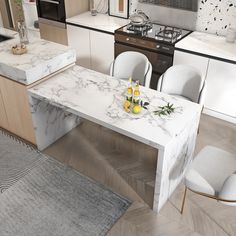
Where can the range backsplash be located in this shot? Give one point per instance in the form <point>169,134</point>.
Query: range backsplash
<point>213,16</point>
<point>191,5</point>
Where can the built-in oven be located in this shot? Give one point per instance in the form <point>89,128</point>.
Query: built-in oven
<point>160,55</point>
<point>52,10</point>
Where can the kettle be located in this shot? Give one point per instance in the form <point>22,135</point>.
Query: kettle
<point>139,18</point>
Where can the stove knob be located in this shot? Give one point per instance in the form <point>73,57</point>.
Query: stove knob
<point>158,46</point>
<point>127,39</point>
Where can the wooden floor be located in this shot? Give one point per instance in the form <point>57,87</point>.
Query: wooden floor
<point>202,216</point>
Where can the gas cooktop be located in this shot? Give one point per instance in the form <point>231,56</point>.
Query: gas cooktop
<point>155,32</point>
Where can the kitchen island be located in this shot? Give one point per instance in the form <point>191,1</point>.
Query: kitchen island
<point>19,72</point>
<point>98,98</point>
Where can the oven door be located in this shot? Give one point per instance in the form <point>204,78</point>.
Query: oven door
<point>51,10</point>
<point>160,62</point>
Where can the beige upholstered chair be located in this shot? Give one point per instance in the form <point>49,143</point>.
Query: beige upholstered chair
<point>213,174</point>
<point>132,64</point>
<point>183,81</point>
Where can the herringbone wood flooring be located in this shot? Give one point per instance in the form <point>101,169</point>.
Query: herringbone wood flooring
<point>202,216</point>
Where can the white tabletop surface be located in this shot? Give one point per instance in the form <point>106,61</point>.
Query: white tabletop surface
<point>102,22</point>
<point>99,98</point>
<point>42,59</point>
<point>208,44</point>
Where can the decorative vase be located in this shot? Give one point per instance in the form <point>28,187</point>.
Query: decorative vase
<point>22,30</point>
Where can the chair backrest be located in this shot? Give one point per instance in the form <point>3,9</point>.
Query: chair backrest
<point>132,64</point>
<point>182,80</point>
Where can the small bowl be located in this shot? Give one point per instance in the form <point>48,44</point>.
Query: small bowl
<point>19,49</point>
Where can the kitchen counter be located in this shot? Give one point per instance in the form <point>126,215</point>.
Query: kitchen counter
<point>99,98</point>
<point>208,45</point>
<point>42,59</point>
<point>101,22</point>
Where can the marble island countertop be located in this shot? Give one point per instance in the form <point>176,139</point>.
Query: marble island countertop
<point>99,98</point>
<point>42,59</point>
<point>102,22</point>
<point>208,45</point>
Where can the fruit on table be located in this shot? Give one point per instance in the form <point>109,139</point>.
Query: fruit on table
<point>136,109</point>
<point>127,105</point>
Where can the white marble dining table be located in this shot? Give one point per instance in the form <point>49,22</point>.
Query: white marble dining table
<point>58,103</point>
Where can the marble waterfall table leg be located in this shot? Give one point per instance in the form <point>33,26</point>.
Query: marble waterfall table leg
<point>50,122</point>
<point>173,161</point>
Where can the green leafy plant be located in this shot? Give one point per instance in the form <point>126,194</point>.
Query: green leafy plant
<point>144,105</point>
<point>165,110</point>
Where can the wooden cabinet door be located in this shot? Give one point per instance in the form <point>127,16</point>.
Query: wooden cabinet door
<point>79,38</point>
<point>53,33</point>
<point>221,88</point>
<point>102,51</point>
<point>15,99</point>
<point>3,116</point>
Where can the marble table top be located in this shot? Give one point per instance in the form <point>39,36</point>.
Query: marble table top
<point>42,59</point>
<point>102,22</point>
<point>209,45</point>
<point>99,98</point>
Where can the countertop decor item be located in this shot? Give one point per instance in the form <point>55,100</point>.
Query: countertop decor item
<point>118,8</point>
<point>165,110</point>
<point>19,49</point>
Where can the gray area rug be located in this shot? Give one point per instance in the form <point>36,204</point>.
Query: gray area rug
<point>41,196</point>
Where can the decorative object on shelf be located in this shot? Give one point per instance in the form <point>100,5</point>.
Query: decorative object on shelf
<point>19,49</point>
<point>21,26</point>
<point>165,110</point>
<point>22,30</point>
<point>118,8</point>
<point>93,10</point>
<point>101,6</point>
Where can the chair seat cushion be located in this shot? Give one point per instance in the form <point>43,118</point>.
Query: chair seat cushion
<point>209,170</point>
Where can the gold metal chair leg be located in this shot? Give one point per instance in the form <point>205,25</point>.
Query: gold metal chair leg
<point>183,202</point>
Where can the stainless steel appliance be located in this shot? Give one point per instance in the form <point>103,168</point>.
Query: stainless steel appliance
<point>153,40</point>
<point>51,11</point>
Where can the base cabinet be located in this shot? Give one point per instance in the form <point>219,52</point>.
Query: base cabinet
<point>79,38</point>
<point>16,116</point>
<point>221,88</point>
<point>199,62</point>
<point>3,116</point>
<point>221,84</point>
<point>53,33</point>
<point>102,51</point>
<point>95,50</point>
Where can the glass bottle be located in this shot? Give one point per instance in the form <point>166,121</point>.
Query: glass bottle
<point>23,34</point>
<point>129,93</point>
<point>136,97</point>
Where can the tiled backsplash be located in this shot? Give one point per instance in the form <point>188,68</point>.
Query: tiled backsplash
<point>216,16</point>
<point>213,16</point>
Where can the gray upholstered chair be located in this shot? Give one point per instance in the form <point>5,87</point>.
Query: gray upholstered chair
<point>132,64</point>
<point>183,81</point>
<point>213,174</point>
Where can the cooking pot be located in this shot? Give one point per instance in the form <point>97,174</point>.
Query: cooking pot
<point>139,18</point>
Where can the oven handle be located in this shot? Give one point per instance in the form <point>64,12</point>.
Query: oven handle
<point>50,1</point>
